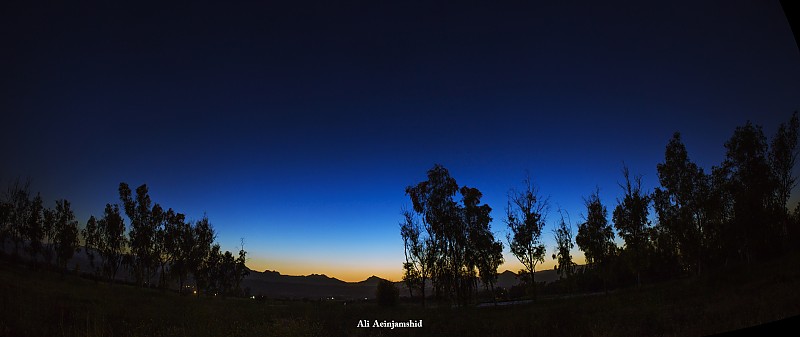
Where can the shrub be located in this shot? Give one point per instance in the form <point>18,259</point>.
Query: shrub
<point>387,293</point>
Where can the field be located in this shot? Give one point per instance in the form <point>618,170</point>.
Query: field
<point>45,303</point>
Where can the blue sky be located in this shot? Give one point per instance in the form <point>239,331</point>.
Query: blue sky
<point>298,127</point>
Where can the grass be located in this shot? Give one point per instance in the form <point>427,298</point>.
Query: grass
<point>43,303</point>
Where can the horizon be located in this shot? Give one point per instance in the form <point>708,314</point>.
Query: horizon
<point>298,129</point>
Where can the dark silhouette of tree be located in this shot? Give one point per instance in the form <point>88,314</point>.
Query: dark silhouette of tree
<point>112,242</point>
<point>492,258</point>
<point>160,256</point>
<point>225,273</point>
<point>595,235</point>
<point>564,244</point>
<point>782,158</point>
<point>209,278</point>
<point>682,206</point>
<point>716,208</point>
<point>387,293</point>
<point>240,269</point>
<point>168,237</point>
<point>750,184</point>
<point>794,233</point>
<point>91,243</point>
<point>630,219</point>
<point>166,245</point>
<point>5,224</point>
<point>414,248</point>
<point>526,213</point>
<point>451,249</point>
<point>143,231</point>
<point>203,257</point>
<point>222,273</point>
<point>66,234</point>
<point>481,251</point>
<point>18,200</point>
<point>34,232</point>
<point>49,237</point>
<point>185,239</point>
<point>433,200</point>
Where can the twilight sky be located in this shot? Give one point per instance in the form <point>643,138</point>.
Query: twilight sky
<point>298,127</point>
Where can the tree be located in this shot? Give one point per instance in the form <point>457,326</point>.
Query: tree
<point>160,255</point>
<point>143,231</point>
<point>166,243</point>
<point>682,204</point>
<point>482,251</point>
<point>5,224</point>
<point>240,269</point>
<point>751,185</point>
<point>387,293</point>
<point>564,244</point>
<point>170,248</point>
<point>782,158</point>
<point>225,273</point>
<point>92,243</point>
<point>49,231</point>
<point>413,246</point>
<point>66,234</point>
<point>35,228</point>
<point>526,213</point>
<point>112,242</point>
<point>209,278</point>
<point>595,235</point>
<point>630,219</point>
<point>433,200</point>
<point>491,258</point>
<point>202,256</point>
<point>18,205</point>
<point>184,252</point>
<point>454,234</point>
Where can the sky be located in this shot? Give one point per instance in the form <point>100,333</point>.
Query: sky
<point>298,126</point>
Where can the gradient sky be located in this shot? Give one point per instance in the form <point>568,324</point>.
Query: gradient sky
<point>298,127</point>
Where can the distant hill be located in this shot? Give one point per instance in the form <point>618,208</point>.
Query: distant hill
<point>272,284</point>
<point>508,278</point>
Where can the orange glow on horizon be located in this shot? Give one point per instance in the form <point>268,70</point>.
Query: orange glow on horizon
<point>353,272</point>
<point>347,272</point>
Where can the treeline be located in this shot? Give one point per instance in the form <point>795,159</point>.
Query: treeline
<point>736,214</point>
<point>160,247</point>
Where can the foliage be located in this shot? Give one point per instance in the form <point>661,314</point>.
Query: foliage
<point>564,244</point>
<point>683,205</point>
<point>17,209</point>
<point>458,238</point>
<point>112,242</point>
<point>35,227</point>
<point>782,158</point>
<point>417,255</point>
<point>201,255</point>
<point>525,217</point>
<point>595,235</point>
<point>630,219</point>
<point>66,233</point>
<point>142,232</point>
<point>91,242</point>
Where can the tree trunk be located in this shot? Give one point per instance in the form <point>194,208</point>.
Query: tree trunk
<point>494,298</point>
<point>422,290</point>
